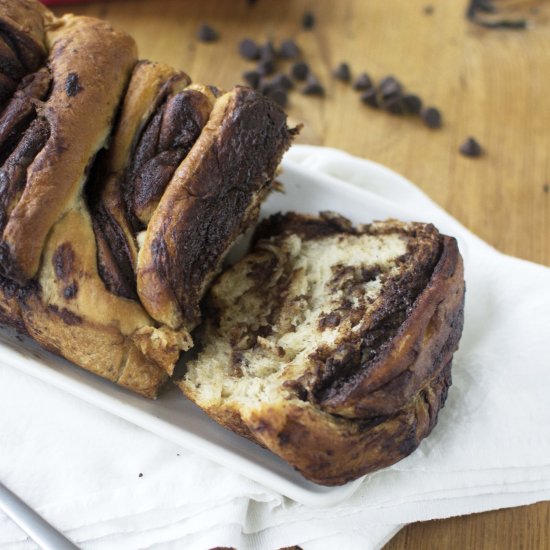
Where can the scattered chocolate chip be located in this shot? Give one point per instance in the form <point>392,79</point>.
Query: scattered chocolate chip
<point>308,21</point>
<point>265,68</point>
<point>370,97</point>
<point>363,82</point>
<point>265,86</point>
<point>546,188</point>
<point>279,96</point>
<point>252,78</point>
<point>342,72</point>
<point>140,475</point>
<point>250,3</point>
<point>207,34</point>
<point>249,49</point>
<point>313,87</point>
<point>471,148</point>
<point>267,52</point>
<point>394,105</point>
<point>390,86</point>
<point>289,49</point>
<point>431,117</point>
<point>300,70</point>
<point>428,10</point>
<point>282,81</point>
<point>412,104</point>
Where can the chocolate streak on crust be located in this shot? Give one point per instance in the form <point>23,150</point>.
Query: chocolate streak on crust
<point>390,373</point>
<point>174,129</point>
<point>213,196</point>
<point>22,49</point>
<point>110,196</point>
<point>21,110</point>
<point>13,174</point>
<point>114,256</point>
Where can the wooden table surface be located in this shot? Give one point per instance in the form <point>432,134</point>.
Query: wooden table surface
<point>491,84</point>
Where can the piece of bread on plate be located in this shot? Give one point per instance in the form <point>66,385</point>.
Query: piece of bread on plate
<point>122,187</point>
<point>331,345</point>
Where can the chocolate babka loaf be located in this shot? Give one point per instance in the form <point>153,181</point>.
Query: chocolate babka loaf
<point>331,345</point>
<point>122,186</point>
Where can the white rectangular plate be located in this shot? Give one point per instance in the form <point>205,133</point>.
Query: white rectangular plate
<point>175,418</point>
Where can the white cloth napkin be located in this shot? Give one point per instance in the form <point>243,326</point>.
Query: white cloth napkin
<point>80,467</point>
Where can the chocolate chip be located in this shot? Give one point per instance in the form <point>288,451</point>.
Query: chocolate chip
<point>363,82</point>
<point>252,78</point>
<point>140,475</point>
<point>72,85</point>
<point>313,87</point>
<point>308,20</point>
<point>428,10</point>
<point>265,68</point>
<point>207,34</point>
<point>394,105</point>
<point>342,72</point>
<point>390,86</point>
<point>546,188</point>
<point>412,104</point>
<point>267,52</point>
<point>300,70</point>
<point>431,117</point>
<point>265,86</point>
<point>249,49</point>
<point>370,97</point>
<point>282,81</point>
<point>289,49</point>
<point>471,148</point>
<point>279,96</point>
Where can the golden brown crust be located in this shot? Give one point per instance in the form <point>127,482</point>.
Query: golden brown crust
<point>71,312</point>
<point>214,195</point>
<point>80,49</point>
<point>25,17</point>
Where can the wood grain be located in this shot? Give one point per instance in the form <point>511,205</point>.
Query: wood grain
<point>491,84</point>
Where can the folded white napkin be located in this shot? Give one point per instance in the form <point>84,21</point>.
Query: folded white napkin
<point>81,467</point>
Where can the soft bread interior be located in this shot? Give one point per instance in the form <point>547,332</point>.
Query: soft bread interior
<point>278,306</point>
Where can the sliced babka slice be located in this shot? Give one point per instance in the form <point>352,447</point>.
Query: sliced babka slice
<point>330,344</point>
